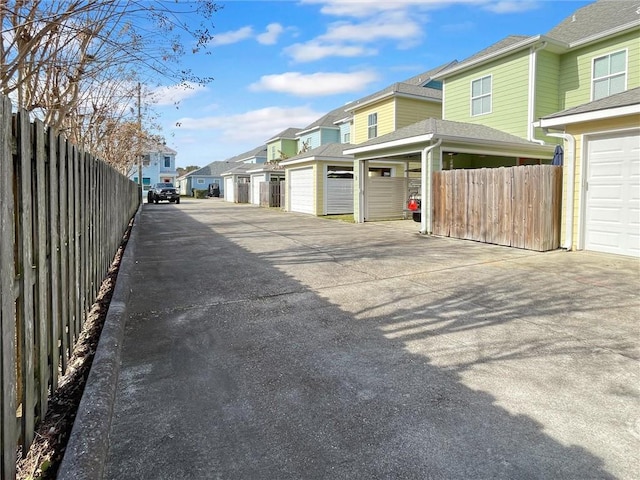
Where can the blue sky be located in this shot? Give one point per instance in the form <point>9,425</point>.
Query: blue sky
<point>280,64</point>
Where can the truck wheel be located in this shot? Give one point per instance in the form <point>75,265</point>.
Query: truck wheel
<point>177,200</point>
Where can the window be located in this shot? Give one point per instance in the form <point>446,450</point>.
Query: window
<point>373,125</point>
<point>273,152</point>
<point>167,162</point>
<point>201,181</point>
<point>146,160</point>
<point>609,74</point>
<point>481,96</point>
<point>346,138</point>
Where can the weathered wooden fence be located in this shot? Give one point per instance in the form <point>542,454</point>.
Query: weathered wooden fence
<point>62,217</point>
<point>515,206</point>
<point>241,192</point>
<point>271,194</point>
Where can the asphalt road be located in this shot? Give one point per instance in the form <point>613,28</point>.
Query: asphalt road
<point>265,345</point>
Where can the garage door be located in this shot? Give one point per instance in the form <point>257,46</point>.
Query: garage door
<point>385,197</point>
<point>301,190</point>
<point>228,189</point>
<point>612,213</point>
<point>339,195</point>
<point>255,188</point>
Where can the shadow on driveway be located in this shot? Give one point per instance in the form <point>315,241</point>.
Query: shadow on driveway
<point>264,345</point>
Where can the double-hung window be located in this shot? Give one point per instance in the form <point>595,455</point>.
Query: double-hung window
<point>481,96</point>
<point>167,162</point>
<point>372,125</point>
<point>609,74</point>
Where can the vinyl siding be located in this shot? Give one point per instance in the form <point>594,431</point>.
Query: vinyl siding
<point>345,128</point>
<point>329,135</point>
<point>409,111</point>
<point>286,147</point>
<point>289,147</point>
<point>386,120</point>
<point>510,93</point>
<point>547,90</point>
<point>547,80</point>
<point>313,138</point>
<point>579,131</point>
<point>575,68</point>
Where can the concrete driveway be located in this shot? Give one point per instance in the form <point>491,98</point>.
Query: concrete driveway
<point>265,345</point>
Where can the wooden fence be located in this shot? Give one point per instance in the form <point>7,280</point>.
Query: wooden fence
<point>515,206</point>
<point>272,194</point>
<point>241,192</point>
<point>62,217</point>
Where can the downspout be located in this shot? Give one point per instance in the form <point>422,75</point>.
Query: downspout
<point>533,66</point>
<point>571,182</point>
<point>426,194</point>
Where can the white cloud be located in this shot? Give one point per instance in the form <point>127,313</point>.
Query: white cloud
<point>270,37</point>
<point>256,126</point>
<point>175,94</point>
<point>234,36</point>
<point>316,50</point>
<point>392,26</point>
<point>511,6</point>
<point>367,8</point>
<point>315,84</point>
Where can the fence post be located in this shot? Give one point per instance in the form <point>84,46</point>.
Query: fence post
<point>8,355</point>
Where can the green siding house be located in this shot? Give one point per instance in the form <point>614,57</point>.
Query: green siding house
<point>283,145</point>
<point>524,91</point>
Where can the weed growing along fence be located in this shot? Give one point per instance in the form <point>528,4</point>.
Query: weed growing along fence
<point>62,217</point>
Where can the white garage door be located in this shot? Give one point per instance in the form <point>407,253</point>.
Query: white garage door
<point>339,195</point>
<point>301,190</point>
<point>255,188</point>
<point>612,213</point>
<point>228,189</point>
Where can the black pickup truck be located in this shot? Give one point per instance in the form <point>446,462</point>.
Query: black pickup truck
<point>163,191</point>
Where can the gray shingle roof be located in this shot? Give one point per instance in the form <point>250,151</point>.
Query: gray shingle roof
<point>257,152</point>
<point>503,44</point>
<point>596,18</point>
<point>289,134</point>
<point>447,128</point>
<point>328,119</point>
<point>412,86</point>
<point>402,88</point>
<point>240,168</point>
<point>214,169</point>
<point>622,99</point>
<point>330,150</point>
<point>424,77</point>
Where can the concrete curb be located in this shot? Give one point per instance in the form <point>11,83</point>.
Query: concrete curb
<point>88,443</point>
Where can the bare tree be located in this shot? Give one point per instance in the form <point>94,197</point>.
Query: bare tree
<point>75,64</point>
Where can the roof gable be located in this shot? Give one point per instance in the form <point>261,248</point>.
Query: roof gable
<point>214,169</point>
<point>327,121</point>
<point>288,134</point>
<point>258,152</point>
<point>437,128</point>
<point>328,151</point>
